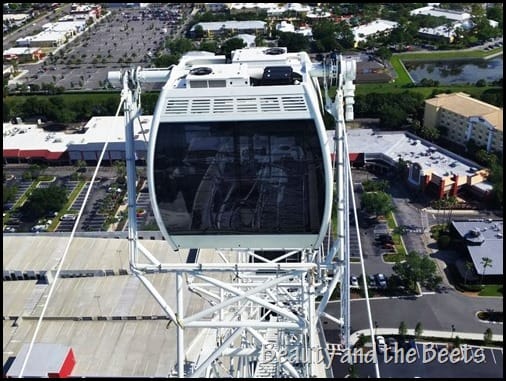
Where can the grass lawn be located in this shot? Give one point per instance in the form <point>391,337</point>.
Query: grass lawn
<point>491,290</point>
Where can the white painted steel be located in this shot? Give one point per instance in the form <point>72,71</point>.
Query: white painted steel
<point>243,296</point>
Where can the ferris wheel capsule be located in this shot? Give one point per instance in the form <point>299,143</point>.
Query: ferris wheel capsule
<point>238,155</point>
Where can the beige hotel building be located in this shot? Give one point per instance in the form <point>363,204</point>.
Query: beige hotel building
<point>466,118</point>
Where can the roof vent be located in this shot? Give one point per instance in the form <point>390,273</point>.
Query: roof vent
<point>274,51</point>
<point>201,71</point>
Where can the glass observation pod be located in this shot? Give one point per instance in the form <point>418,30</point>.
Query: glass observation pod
<point>238,154</point>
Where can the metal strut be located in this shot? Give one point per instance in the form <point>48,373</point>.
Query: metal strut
<point>257,309</point>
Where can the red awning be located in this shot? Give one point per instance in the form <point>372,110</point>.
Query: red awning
<point>31,154</point>
<point>11,153</point>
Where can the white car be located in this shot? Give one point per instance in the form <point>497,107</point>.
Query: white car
<point>381,346</point>
<point>353,281</point>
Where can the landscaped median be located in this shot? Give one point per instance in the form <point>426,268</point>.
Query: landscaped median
<point>399,253</point>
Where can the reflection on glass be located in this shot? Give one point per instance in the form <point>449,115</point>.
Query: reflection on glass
<point>248,177</point>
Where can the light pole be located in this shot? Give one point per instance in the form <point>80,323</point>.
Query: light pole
<point>120,261</point>
<point>97,297</point>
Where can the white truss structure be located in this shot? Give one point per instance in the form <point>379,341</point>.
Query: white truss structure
<point>262,317</point>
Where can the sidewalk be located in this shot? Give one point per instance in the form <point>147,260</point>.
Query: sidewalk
<point>426,333</point>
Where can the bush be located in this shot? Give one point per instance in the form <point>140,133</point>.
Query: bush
<point>443,241</point>
<point>470,287</point>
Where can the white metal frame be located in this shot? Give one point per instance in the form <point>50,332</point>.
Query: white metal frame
<point>261,312</point>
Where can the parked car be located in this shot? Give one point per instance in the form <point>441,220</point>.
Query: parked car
<point>68,217</point>
<point>385,238</point>
<point>371,281</point>
<point>381,346</point>
<point>391,344</point>
<point>353,281</point>
<point>381,280</point>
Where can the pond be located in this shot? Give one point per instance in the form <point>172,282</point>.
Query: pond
<point>456,71</point>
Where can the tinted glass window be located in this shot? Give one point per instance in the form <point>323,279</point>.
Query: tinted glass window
<point>250,177</point>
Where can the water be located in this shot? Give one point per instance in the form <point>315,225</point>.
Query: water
<point>456,72</point>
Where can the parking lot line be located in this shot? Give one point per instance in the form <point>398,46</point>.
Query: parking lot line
<point>493,356</point>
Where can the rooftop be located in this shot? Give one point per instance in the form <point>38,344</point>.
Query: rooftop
<point>362,31</point>
<point>438,12</point>
<point>408,147</point>
<point>218,25</point>
<point>463,104</point>
<point>19,138</point>
<point>112,323</point>
<point>491,236</point>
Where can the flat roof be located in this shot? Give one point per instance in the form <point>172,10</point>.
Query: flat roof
<point>491,232</point>
<point>394,145</point>
<point>465,105</point>
<point>439,12</point>
<point>21,50</point>
<point>26,137</point>
<point>44,358</point>
<point>113,324</point>
<point>83,254</point>
<point>372,28</point>
<point>217,25</point>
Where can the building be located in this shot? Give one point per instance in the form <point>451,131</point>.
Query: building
<point>466,118</point>
<point>47,361</point>
<point>441,32</point>
<point>31,142</point>
<point>23,55</point>
<point>113,325</point>
<point>285,26</point>
<point>223,27</point>
<point>480,239</point>
<point>429,168</point>
<point>439,12</point>
<point>362,32</point>
<point>272,9</point>
<point>248,39</point>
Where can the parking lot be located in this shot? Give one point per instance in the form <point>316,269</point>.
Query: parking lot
<point>120,39</point>
<point>428,360</point>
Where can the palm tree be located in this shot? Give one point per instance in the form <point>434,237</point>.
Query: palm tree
<point>403,329</point>
<point>418,330</point>
<point>488,336</point>
<point>451,202</point>
<point>485,262</point>
<point>469,266</point>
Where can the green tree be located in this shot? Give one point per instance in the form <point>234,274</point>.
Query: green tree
<point>418,330</point>
<point>120,167</point>
<point>44,200</point>
<point>198,31</point>
<point>403,329</point>
<point>208,46</point>
<point>469,267</point>
<point>294,42</point>
<point>232,44</point>
<point>166,60</point>
<point>180,46</point>
<point>80,165</point>
<point>488,336</point>
<point>9,193</point>
<point>485,262</point>
<point>375,186</point>
<point>417,268</point>
<point>384,54</point>
<point>379,203</point>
